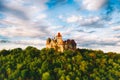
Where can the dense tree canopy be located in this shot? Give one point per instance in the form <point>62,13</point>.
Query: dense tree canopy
<point>47,64</point>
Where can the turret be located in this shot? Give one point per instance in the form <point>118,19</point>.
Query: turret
<point>59,38</point>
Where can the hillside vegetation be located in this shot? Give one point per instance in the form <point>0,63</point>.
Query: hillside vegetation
<point>47,64</point>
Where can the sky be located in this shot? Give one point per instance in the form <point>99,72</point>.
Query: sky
<point>93,24</point>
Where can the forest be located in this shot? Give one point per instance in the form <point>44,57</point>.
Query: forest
<point>47,64</point>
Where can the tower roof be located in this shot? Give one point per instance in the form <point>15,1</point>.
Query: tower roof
<point>59,35</point>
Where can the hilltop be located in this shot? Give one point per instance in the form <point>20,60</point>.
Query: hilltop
<point>48,64</point>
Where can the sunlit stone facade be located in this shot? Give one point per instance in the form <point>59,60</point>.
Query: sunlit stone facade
<point>58,44</point>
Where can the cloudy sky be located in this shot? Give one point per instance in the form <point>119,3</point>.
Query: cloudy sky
<point>93,24</point>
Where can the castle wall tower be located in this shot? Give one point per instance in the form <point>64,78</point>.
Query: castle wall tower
<point>48,42</point>
<point>60,42</point>
<point>59,39</point>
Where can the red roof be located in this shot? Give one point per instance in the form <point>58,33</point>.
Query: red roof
<point>59,35</point>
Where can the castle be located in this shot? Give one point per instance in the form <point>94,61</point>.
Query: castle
<point>59,45</point>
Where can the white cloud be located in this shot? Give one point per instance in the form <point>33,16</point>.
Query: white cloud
<point>40,17</point>
<point>89,21</point>
<point>34,26</point>
<point>22,28</point>
<point>25,9</point>
<point>118,43</point>
<point>72,19</point>
<point>92,4</point>
<point>116,28</point>
<point>23,4</point>
<point>90,40</point>
<point>21,32</point>
<point>83,21</point>
<point>30,42</point>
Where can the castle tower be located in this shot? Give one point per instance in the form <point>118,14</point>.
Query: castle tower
<point>60,42</point>
<point>48,41</point>
<point>59,39</point>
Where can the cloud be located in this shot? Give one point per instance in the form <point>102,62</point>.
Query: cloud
<point>24,30</point>
<point>40,17</point>
<point>93,21</point>
<point>13,27</point>
<point>92,5</point>
<point>23,18</point>
<point>31,41</point>
<point>20,31</point>
<point>90,41</point>
<point>89,21</point>
<point>96,40</point>
<point>12,10</point>
<point>72,19</point>
<point>23,9</point>
<point>117,35</point>
<point>4,41</point>
<point>82,19</point>
<point>116,28</point>
<point>118,44</point>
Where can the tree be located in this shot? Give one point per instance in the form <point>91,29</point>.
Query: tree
<point>4,52</point>
<point>46,76</point>
<point>25,73</point>
<point>48,64</point>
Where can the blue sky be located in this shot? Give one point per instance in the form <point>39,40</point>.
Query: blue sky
<point>93,24</point>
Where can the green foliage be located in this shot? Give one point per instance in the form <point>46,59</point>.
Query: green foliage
<point>46,76</point>
<point>4,52</point>
<point>47,64</point>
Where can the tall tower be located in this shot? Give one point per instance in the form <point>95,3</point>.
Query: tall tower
<point>60,42</point>
<point>59,39</point>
